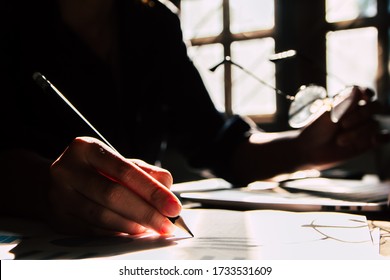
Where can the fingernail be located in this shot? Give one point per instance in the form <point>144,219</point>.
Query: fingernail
<point>167,227</point>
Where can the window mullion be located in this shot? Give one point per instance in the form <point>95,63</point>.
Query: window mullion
<point>226,41</point>
<point>383,26</point>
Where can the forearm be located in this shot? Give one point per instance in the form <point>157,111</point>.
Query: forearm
<point>266,155</point>
<point>25,181</point>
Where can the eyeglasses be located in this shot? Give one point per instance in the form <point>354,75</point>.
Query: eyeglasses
<point>310,101</point>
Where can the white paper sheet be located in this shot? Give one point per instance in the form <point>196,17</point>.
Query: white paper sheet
<point>219,234</point>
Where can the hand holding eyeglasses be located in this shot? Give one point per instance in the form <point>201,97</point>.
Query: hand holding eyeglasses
<point>337,128</point>
<point>312,101</point>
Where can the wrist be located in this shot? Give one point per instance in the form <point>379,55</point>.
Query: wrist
<point>302,152</point>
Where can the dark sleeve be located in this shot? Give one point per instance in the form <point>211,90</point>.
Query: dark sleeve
<point>204,135</point>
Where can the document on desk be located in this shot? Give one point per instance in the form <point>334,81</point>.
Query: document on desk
<point>224,234</point>
<point>265,234</point>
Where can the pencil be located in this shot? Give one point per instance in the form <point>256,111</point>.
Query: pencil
<point>49,87</point>
<point>179,222</point>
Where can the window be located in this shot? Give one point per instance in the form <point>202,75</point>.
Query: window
<point>358,44</point>
<point>204,58</point>
<point>338,43</point>
<point>337,10</point>
<point>249,97</point>
<point>241,30</point>
<point>346,45</point>
<point>201,18</point>
<point>352,58</point>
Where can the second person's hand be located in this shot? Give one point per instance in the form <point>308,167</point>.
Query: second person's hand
<point>324,143</point>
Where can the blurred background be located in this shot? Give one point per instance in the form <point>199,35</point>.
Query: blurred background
<point>336,44</point>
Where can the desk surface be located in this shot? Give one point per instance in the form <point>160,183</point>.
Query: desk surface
<point>234,235</point>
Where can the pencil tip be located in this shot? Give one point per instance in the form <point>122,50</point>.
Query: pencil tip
<point>179,222</point>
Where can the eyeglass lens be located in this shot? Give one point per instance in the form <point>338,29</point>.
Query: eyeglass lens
<point>312,101</point>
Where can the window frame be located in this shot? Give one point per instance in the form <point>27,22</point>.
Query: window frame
<point>296,23</point>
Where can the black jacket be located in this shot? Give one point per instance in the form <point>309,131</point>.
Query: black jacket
<point>159,95</point>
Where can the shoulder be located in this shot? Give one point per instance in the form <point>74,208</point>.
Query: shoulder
<point>153,21</point>
<point>161,13</point>
<point>166,5</point>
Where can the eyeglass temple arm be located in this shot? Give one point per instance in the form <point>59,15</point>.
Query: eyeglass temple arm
<point>227,59</point>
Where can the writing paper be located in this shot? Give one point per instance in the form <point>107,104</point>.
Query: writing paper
<point>219,234</point>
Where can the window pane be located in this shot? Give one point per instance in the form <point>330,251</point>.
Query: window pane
<point>250,15</point>
<point>249,96</point>
<point>337,10</point>
<point>201,18</point>
<point>205,57</point>
<point>352,58</point>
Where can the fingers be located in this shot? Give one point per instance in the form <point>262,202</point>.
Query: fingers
<point>359,95</point>
<point>84,216</point>
<point>117,194</point>
<point>160,174</point>
<point>360,138</point>
<point>364,113</point>
<point>116,197</point>
<point>136,179</point>
<point>358,131</point>
<point>360,115</point>
<point>364,93</point>
<point>351,100</point>
<point>130,175</point>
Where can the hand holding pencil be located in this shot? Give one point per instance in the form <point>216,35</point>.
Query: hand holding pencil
<point>95,190</point>
<point>105,192</point>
